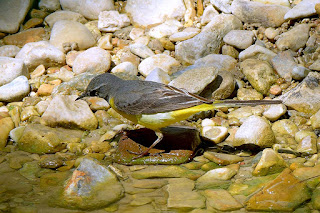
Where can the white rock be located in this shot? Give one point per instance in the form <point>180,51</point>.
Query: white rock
<point>278,2</point>
<point>136,33</point>
<point>15,90</point>
<point>240,39</point>
<point>9,50</point>
<point>125,67</point>
<point>42,52</point>
<point>93,60</point>
<point>49,5</point>
<point>168,28</point>
<point>88,8</point>
<point>63,74</point>
<point>41,106</point>
<point>11,68</point>
<point>163,61</point>
<point>158,75</point>
<point>207,122</point>
<point>149,12</point>
<point>258,52</point>
<point>141,50</point>
<point>105,42</point>
<point>215,133</point>
<point>274,112</point>
<point>111,21</point>
<point>13,13</point>
<point>64,15</point>
<point>305,8</point>
<point>64,111</point>
<point>184,35</point>
<point>217,174</point>
<point>208,14</point>
<point>222,5</point>
<point>221,62</point>
<point>71,32</point>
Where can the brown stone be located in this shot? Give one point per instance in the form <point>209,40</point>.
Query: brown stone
<point>45,89</point>
<point>32,23</point>
<point>24,37</point>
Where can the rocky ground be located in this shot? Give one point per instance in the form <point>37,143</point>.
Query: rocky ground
<point>62,155</point>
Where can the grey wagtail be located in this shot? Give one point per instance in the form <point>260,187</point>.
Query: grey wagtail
<point>155,105</point>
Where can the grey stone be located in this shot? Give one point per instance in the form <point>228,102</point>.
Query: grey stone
<point>208,40</point>
<point>141,50</point>
<point>315,65</point>
<point>284,63</point>
<point>222,5</point>
<point>257,52</point>
<point>64,15</point>
<point>49,5</point>
<point>295,38</point>
<point>13,13</point>
<point>11,68</point>
<point>15,90</point>
<point>267,15</point>
<point>240,39</point>
<point>208,14</point>
<point>304,9</point>
<point>221,62</point>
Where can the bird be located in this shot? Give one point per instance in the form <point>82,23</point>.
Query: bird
<point>155,105</point>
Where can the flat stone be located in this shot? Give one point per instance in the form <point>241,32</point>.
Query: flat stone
<point>111,21</point>
<point>269,163</point>
<point>27,36</point>
<point>255,130</point>
<point>222,159</point>
<point>195,80</point>
<point>9,50</point>
<point>215,133</point>
<point>146,13</point>
<point>303,9</point>
<point>240,39</point>
<point>211,36</point>
<point>222,200</point>
<point>268,15</point>
<point>163,61</point>
<point>66,31</point>
<point>37,138</point>
<point>86,8</point>
<point>182,196</point>
<point>305,97</point>
<point>257,52</point>
<point>93,60</point>
<point>222,5</point>
<point>307,142</point>
<point>13,14</point>
<point>64,15</point>
<point>184,35</point>
<point>284,127</point>
<point>260,74</point>
<point>168,28</point>
<point>125,67</point>
<point>221,62</point>
<point>158,75</point>
<point>42,52</point>
<point>65,111</point>
<point>274,112</point>
<point>15,90</point>
<point>11,68</point>
<point>141,50</point>
<point>89,187</point>
<point>284,63</point>
<point>315,65</point>
<point>295,38</point>
<point>284,193</point>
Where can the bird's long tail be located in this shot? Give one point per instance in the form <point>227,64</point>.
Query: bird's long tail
<point>237,103</point>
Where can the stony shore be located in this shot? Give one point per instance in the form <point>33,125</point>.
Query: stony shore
<point>62,155</point>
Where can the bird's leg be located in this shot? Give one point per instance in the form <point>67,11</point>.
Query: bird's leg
<point>160,137</point>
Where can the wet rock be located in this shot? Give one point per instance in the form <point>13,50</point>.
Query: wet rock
<point>165,62</point>
<point>89,187</point>
<point>315,120</point>
<point>284,193</point>
<point>30,170</point>
<point>6,125</point>
<point>274,112</point>
<point>257,52</point>
<point>215,133</point>
<point>295,38</point>
<point>259,73</point>
<point>9,50</point>
<point>93,60</point>
<point>49,5</point>
<point>158,75</point>
<point>146,13</point>
<point>254,130</point>
<point>222,200</point>
<point>141,50</point>
<point>13,14</point>
<point>86,8</point>
<point>211,36</point>
<point>269,163</point>
<point>182,196</point>
<point>307,142</point>
<point>50,162</point>
<point>64,111</point>
<point>15,90</point>
<point>303,9</point>
<point>255,12</point>
<point>168,28</point>
<point>284,127</point>
<point>27,36</point>
<point>222,159</point>
<point>37,138</point>
<point>111,21</point>
<point>208,14</point>
<point>161,171</point>
<point>305,96</point>
<point>196,79</point>
<point>28,112</point>
<point>42,52</point>
<point>11,68</point>
<point>240,39</point>
<point>71,32</point>
<point>64,15</point>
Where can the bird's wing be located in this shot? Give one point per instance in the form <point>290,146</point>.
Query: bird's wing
<point>150,98</point>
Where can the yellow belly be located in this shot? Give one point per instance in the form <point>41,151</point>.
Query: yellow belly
<point>160,120</point>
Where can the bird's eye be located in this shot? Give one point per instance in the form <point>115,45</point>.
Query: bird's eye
<point>94,93</point>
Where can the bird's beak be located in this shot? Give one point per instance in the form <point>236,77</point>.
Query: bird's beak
<point>82,96</point>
